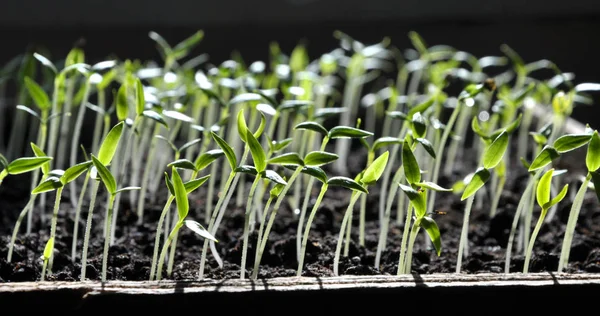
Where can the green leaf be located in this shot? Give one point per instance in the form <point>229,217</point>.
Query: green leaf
<point>188,145</point>
<point>46,62</point>
<point>396,115</point>
<point>207,158</point>
<point>419,127</point>
<point>375,170</point>
<point>433,231</point>
<point>75,171</point>
<point>559,197</point>
<point>596,182</point>
<point>319,158</point>
<point>258,153</point>
<point>276,190</point>
<point>510,128</point>
<point>261,126</point>
<point>226,149</point>
<point>247,169</point>
<point>428,146</point>
<point>542,193</point>
<point>495,151</point>
<point>274,177</point>
<point>162,43</point>
<point>192,185</point>
<point>50,184</point>
<point>38,153</point>
<point>348,132</point>
<point>26,164</point>
<point>242,127</point>
<point>122,104</point>
<point>477,128</point>
<point>432,186</point>
<point>287,159</point>
<point>139,97</point>
<point>183,164</point>
<point>421,108</point>
<point>312,126</point>
<point>570,142</point>
<point>153,115</point>
<point>107,178</point>
<point>169,184</point>
<point>410,164</point>
<point>75,56</point>
<point>199,229</point>
<point>38,94</point>
<point>315,172</point>
<point>347,183</point>
<point>183,205</point>
<point>126,189</point>
<point>279,145</point>
<point>545,157</point>
<point>245,97</point>
<point>481,176</point>
<point>48,248</point>
<point>182,48</point>
<point>176,115</point>
<point>325,113</point>
<point>166,140</point>
<point>385,141</point>
<point>417,198</point>
<point>592,158</point>
<point>109,144</point>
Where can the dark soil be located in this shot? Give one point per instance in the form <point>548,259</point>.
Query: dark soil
<point>130,257</point>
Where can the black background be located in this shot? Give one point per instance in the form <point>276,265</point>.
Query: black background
<point>565,32</point>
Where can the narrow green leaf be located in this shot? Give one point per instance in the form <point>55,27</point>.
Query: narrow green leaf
<point>122,104</point>
<point>348,132</point>
<point>75,56</point>
<point>375,170</point>
<point>570,142</point>
<point>258,153</point>
<point>109,144</point>
<point>183,164</point>
<point>419,127</point>
<point>385,141</point>
<point>481,176</point>
<point>495,151</point>
<point>559,197</point>
<point>29,111</point>
<point>261,126</point>
<point>199,229</point>
<point>545,157</point>
<point>274,177</point>
<point>592,158</point>
<point>246,169</point>
<point>421,108</point>
<point>192,185</point>
<point>542,192</point>
<point>280,145</point>
<point>477,128</point>
<point>347,183</point>
<point>75,171</point>
<point>427,145</point>
<point>433,231</point>
<point>153,115</point>
<point>162,43</point>
<point>139,97</point>
<point>169,184</point>
<point>183,205</point>
<point>410,164</point>
<point>46,62</point>
<point>432,186</point>
<point>509,129</point>
<point>319,158</point>
<point>287,159</point>
<point>207,158</point>
<point>188,144</point>
<point>182,48</point>
<point>397,115</point>
<point>26,164</point>
<point>325,113</point>
<point>312,126</point>
<point>229,153</point>
<point>417,198</point>
<point>126,189</point>
<point>245,97</point>
<point>241,125</point>
<point>38,94</point>
<point>48,248</point>
<point>315,172</point>
<point>176,115</point>
<point>105,175</point>
<point>276,190</point>
<point>50,184</point>
<point>38,153</point>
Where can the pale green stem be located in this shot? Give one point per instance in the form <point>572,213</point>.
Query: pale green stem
<point>311,217</point>
<point>75,140</point>
<point>262,223</point>
<point>385,184</point>
<point>407,221</point>
<point>77,214</point>
<point>338,248</point>
<point>65,126</point>
<point>159,227</point>
<point>98,122</point>
<point>464,234</point>
<point>88,228</point>
<point>455,144</point>
<point>41,142</point>
<point>385,222</point>
<point>163,252</point>
<point>13,238</point>
<point>497,195</point>
<point>247,224</point>
<point>173,246</point>
<point>414,232</point>
<point>146,176</point>
<point>107,238</point>
<point>571,224</point>
<point>536,230</point>
<point>53,224</point>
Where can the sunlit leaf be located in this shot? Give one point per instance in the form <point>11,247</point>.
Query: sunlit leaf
<point>107,178</point>
<point>29,111</point>
<point>592,158</point>
<point>315,172</point>
<point>412,171</point>
<point>126,189</point>
<point>274,177</point>
<point>156,117</point>
<point>542,193</point>
<point>26,164</point>
<point>432,186</point>
<point>50,184</point>
<point>109,144</point>
<point>559,197</point>
<point>207,158</point>
<point>181,198</point>
<point>479,178</point>
<point>545,157</point>
<point>46,62</point>
<point>245,97</point>
<point>312,126</point>
<point>427,145</point>
<point>385,141</point>
<point>75,171</point>
<point>48,248</point>
<point>495,151</point>
<point>169,184</point>
<point>199,229</point>
<point>122,104</point>
<point>570,142</point>
<point>319,158</point>
<point>433,231</point>
<point>419,126</point>
<point>258,153</point>
<point>375,170</point>
<point>287,159</point>
<point>38,94</point>
<point>418,199</point>
<point>348,132</point>
<point>346,183</point>
<point>229,153</point>
<point>183,164</point>
<point>192,185</point>
<point>247,169</point>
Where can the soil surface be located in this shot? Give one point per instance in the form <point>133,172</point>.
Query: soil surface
<point>130,257</point>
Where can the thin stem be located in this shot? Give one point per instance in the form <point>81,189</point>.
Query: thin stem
<point>159,227</point>
<point>64,124</point>
<point>247,224</point>
<point>385,184</point>
<point>407,221</point>
<point>13,238</point>
<point>107,222</point>
<point>77,214</point>
<point>163,252</point>
<point>311,217</point>
<point>338,248</point>
<point>497,195</point>
<point>385,222</point>
<point>88,228</point>
<point>464,233</point>
<point>146,176</point>
<point>536,230</point>
<point>98,122</point>
<point>571,224</point>
<point>53,224</point>
<point>173,247</point>
<point>411,243</point>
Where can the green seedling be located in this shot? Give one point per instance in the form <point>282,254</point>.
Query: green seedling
<point>20,165</point>
<point>543,198</point>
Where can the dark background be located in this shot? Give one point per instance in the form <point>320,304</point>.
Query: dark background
<point>565,32</point>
